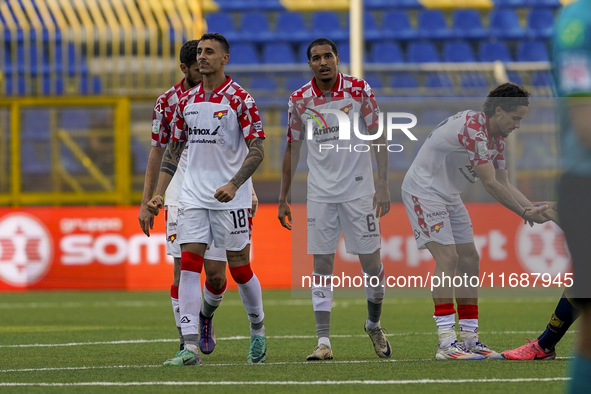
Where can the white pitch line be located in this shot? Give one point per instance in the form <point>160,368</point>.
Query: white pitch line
<point>240,338</point>
<point>215,365</point>
<point>291,382</point>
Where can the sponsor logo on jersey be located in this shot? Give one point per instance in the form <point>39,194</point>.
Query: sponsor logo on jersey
<point>171,238</point>
<point>437,227</point>
<point>238,232</point>
<point>220,114</point>
<point>155,126</point>
<point>158,108</point>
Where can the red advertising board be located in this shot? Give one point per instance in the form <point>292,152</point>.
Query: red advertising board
<point>104,248</point>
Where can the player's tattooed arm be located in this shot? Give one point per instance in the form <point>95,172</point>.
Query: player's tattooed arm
<point>381,200</point>
<point>172,156</point>
<point>255,156</point>
<point>168,167</point>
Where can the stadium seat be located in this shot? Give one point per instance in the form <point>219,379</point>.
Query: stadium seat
<point>294,83</point>
<point>371,31</point>
<point>541,79</point>
<point>399,4</point>
<point>248,5</point>
<point>504,23</point>
<point>386,53</point>
<point>344,51</point>
<point>473,81</point>
<point>422,52</point>
<point>439,84</point>
<point>545,3</point>
<point>493,51</point>
<point>432,25</point>
<point>19,89</point>
<point>243,54</point>
<point>292,28</point>
<point>532,51</point>
<point>303,53</point>
<point>458,52</point>
<point>279,53</point>
<point>58,85</point>
<point>404,81</point>
<point>468,25</point>
<point>262,84</point>
<point>540,22</point>
<point>511,3</point>
<point>374,81</point>
<point>254,27</point>
<point>222,23</point>
<point>396,26</point>
<point>95,85</point>
<point>514,77</point>
<point>327,24</point>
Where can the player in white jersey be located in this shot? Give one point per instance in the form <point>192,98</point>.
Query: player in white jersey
<point>462,149</point>
<point>341,194</point>
<point>215,258</point>
<point>220,122</point>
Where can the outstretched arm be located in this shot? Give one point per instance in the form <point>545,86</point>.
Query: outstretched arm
<point>256,154</point>
<point>486,173</point>
<point>170,161</point>
<point>291,158</point>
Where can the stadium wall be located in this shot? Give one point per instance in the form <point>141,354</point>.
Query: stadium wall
<point>90,248</point>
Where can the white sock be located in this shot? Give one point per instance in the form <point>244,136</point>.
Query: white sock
<point>176,311</point>
<point>469,332</point>
<point>324,340</point>
<point>190,303</point>
<point>252,298</point>
<point>446,329</point>
<point>371,325</point>
<point>212,301</point>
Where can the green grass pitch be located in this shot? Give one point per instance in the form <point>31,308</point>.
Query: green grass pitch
<point>115,342</point>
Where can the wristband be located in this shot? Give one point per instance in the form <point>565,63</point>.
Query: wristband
<point>523,214</point>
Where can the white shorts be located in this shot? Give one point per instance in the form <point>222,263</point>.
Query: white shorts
<point>228,229</point>
<point>356,220</point>
<point>173,247</point>
<point>438,222</point>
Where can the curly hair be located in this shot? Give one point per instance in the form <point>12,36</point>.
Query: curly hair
<point>498,97</point>
<point>189,52</point>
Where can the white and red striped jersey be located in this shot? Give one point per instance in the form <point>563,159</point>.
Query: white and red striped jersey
<point>161,129</point>
<point>216,126</point>
<point>335,175</point>
<point>444,166</point>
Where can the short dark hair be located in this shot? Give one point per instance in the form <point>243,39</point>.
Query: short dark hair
<point>321,41</point>
<point>498,97</point>
<point>188,54</point>
<point>219,38</point>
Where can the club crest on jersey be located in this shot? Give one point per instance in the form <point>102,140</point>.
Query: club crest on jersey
<point>347,109</point>
<point>220,114</point>
<point>437,227</point>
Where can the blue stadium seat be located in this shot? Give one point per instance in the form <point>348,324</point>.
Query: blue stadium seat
<point>532,51</point>
<point>432,25</point>
<point>262,84</point>
<point>278,53</point>
<point>396,26</point>
<point>222,23</point>
<point>344,51</point>
<point>58,86</point>
<point>468,25</point>
<point>544,3</point>
<point>399,4</point>
<point>255,28</point>
<point>243,53</point>
<point>374,81</point>
<point>541,79</point>
<point>491,51</point>
<point>511,3</point>
<point>294,83</point>
<point>422,52</point>
<point>473,80</point>
<point>504,23</point>
<point>76,62</point>
<point>248,5</point>
<point>327,24</point>
<point>291,27</point>
<point>371,31</point>
<point>303,53</point>
<point>540,22</point>
<point>514,77</point>
<point>439,84</point>
<point>404,81</point>
<point>458,52</point>
<point>386,53</point>
<point>19,89</point>
<point>95,86</point>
